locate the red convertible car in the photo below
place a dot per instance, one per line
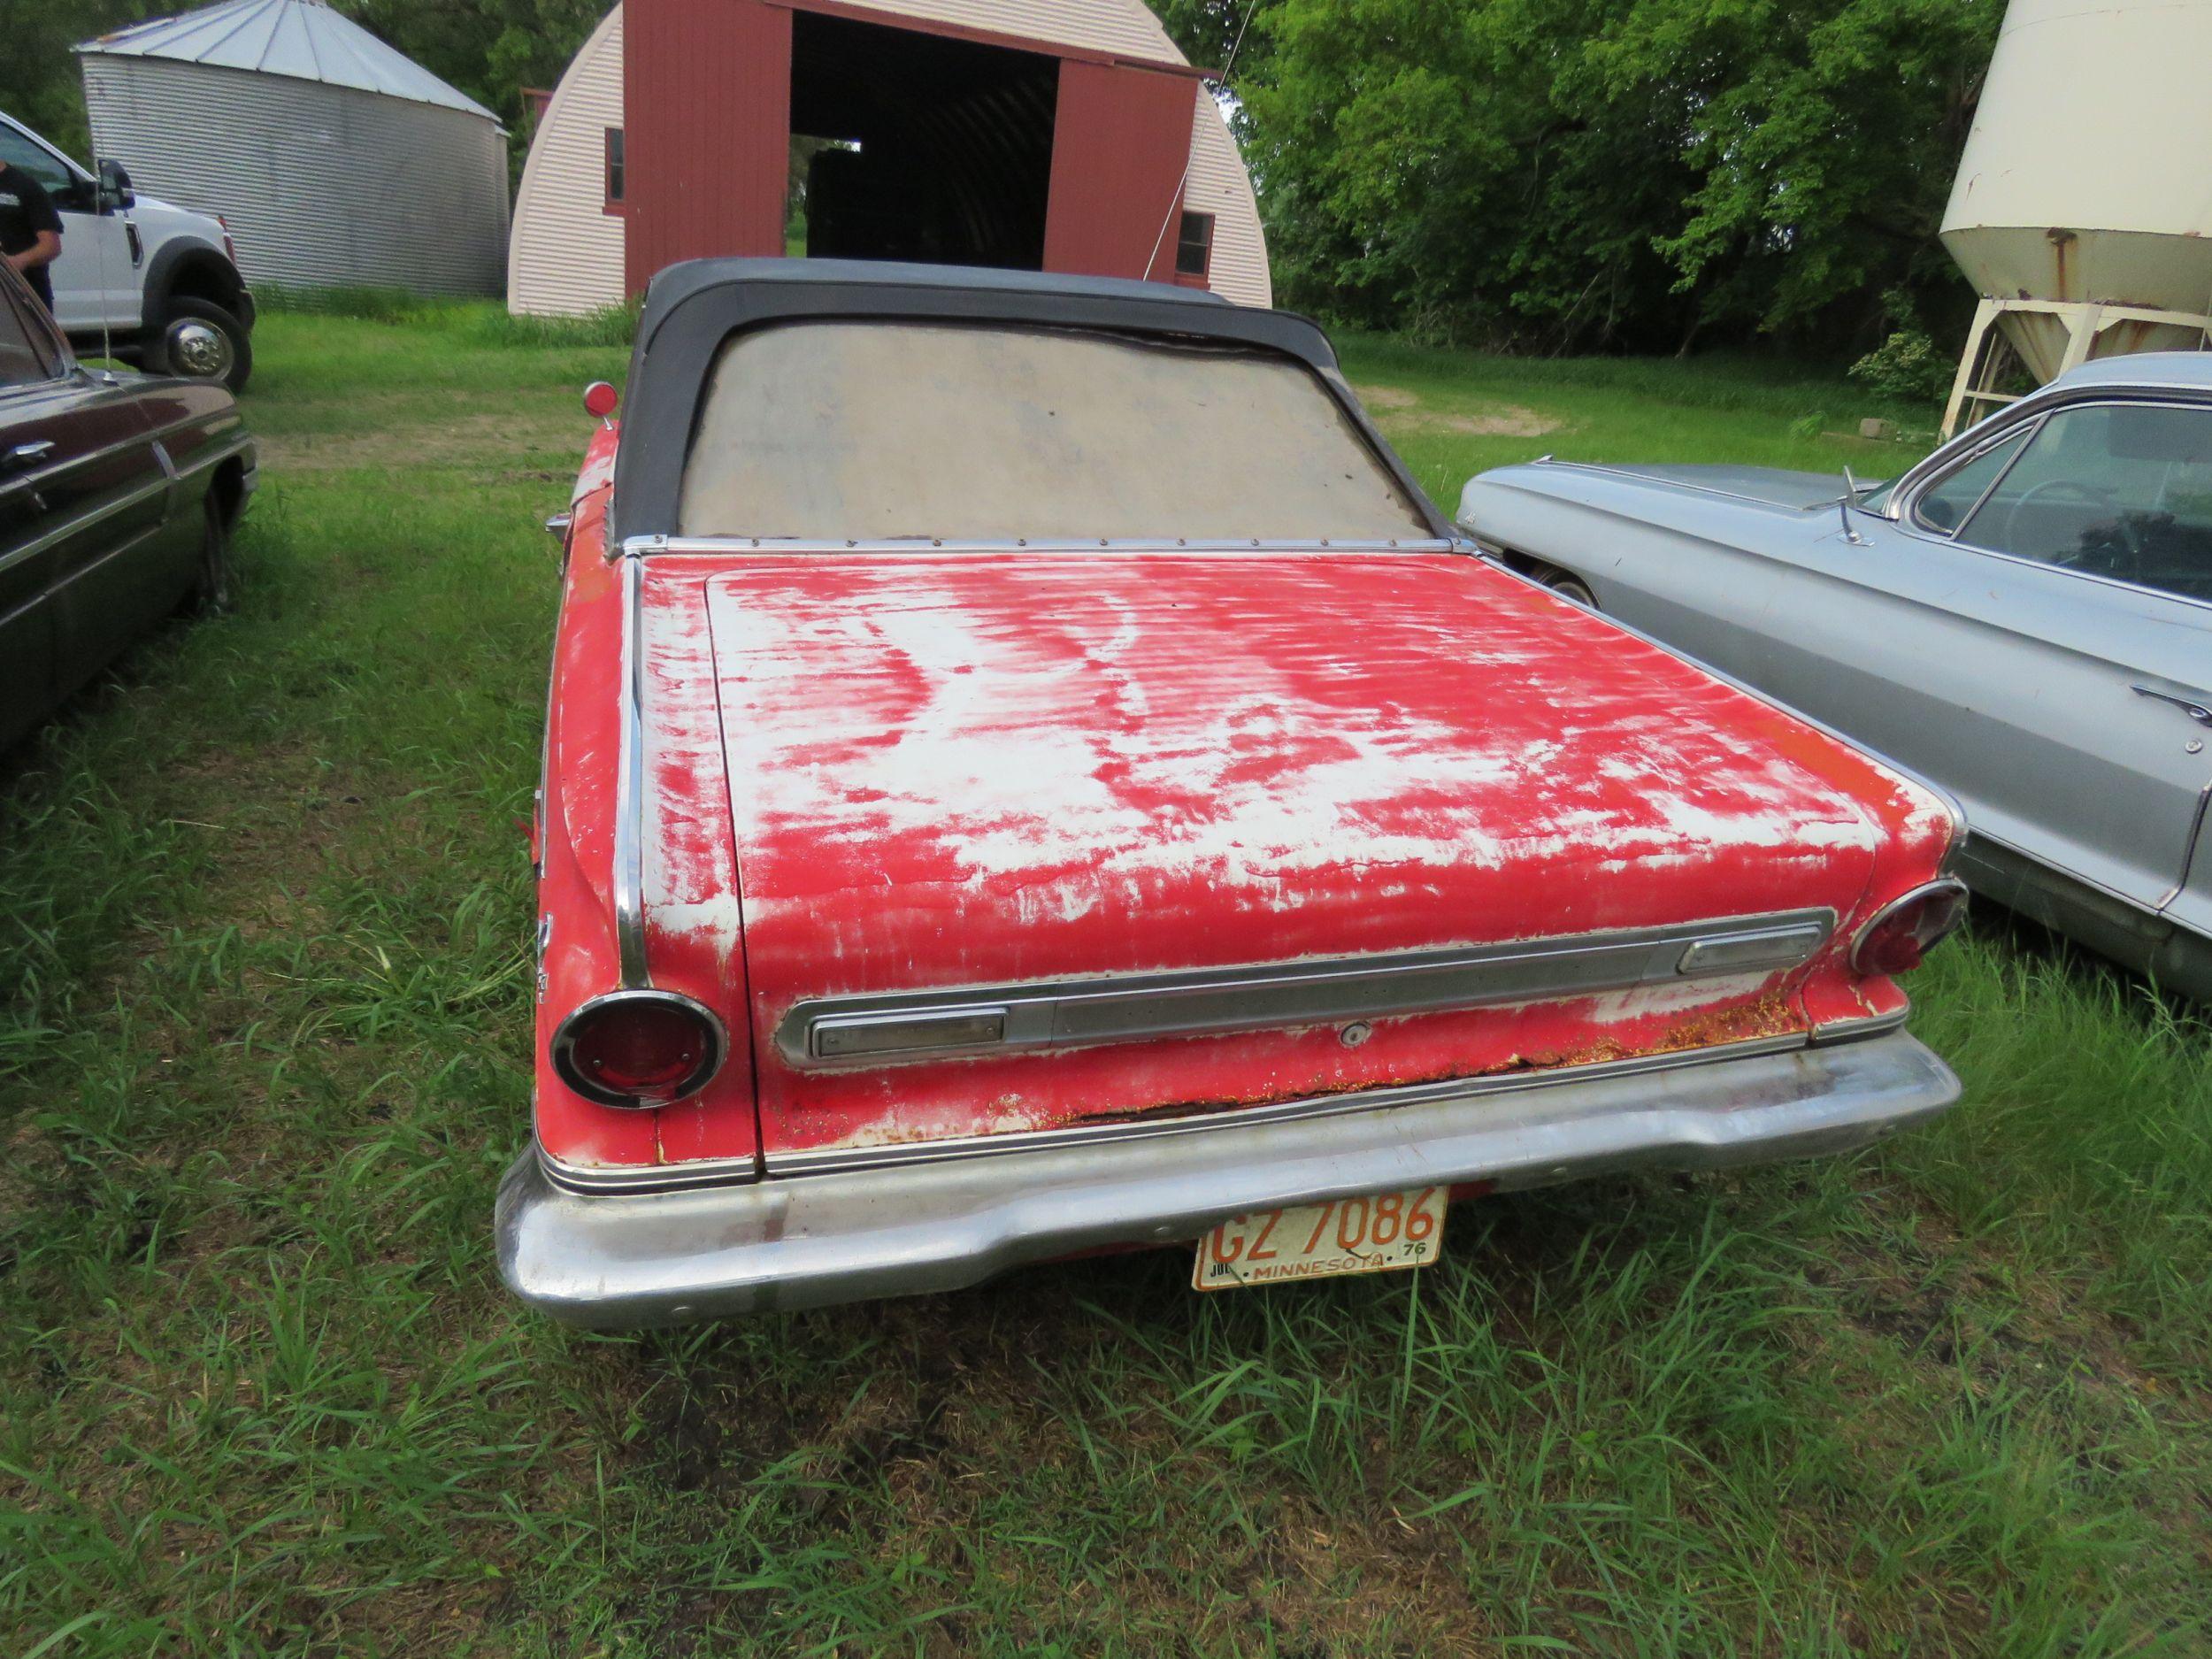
(1028, 773)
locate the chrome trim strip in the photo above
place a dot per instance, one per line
(629, 802)
(661, 1258)
(2199, 846)
(49, 540)
(881, 1030)
(1197, 1120)
(1838, 1031)
(609, 1181)
(200, 464)
(647, 545)
(136, 441)
(1201, 1120)
(1630, 472)
(2024, 431)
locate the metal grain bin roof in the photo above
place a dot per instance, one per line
(304, 39)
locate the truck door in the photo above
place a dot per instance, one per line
(95, 280)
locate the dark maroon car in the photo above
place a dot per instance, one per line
(117, 495)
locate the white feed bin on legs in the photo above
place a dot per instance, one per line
(2082, 213)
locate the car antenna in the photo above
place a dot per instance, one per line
(100, 254)
(1843, 507)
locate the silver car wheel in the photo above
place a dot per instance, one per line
(1574, 590)
(198, 348)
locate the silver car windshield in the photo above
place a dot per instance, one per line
(838, 430)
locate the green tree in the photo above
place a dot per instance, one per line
(1570, 174)
(488, 49)
(1547, 174)
(39, 83)
(1208, 31)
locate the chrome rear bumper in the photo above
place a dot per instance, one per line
(620, 1262)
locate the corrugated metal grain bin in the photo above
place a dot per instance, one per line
(335, 160)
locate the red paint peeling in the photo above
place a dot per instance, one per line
(912, 771)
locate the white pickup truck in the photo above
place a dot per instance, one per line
(138, 279)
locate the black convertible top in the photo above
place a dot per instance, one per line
(692, 308)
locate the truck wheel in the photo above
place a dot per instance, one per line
(199, 341)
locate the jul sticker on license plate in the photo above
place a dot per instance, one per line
(1351, 1235)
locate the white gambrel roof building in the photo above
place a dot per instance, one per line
(571, 248)
(334, 160)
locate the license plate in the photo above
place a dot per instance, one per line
(1351, 1235)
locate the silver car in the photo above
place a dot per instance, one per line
(2024, 618)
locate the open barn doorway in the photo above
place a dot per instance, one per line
(910, 145)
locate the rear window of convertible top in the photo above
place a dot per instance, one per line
(878, 431)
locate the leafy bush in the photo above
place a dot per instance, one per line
(1907, 367)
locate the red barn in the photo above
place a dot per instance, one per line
(1036, 134)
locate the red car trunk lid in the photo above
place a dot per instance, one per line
(955, 771)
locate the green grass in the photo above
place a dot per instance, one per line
(263, 917)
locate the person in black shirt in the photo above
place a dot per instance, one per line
(30, 229)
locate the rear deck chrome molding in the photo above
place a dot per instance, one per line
(663, 1258)
(873, 1031)
(651, 545)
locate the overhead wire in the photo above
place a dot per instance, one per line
(1183, 182)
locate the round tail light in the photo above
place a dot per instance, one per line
(638, 1049)
(1905, 930)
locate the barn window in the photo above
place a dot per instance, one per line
(1195, 247)
(614, 167)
